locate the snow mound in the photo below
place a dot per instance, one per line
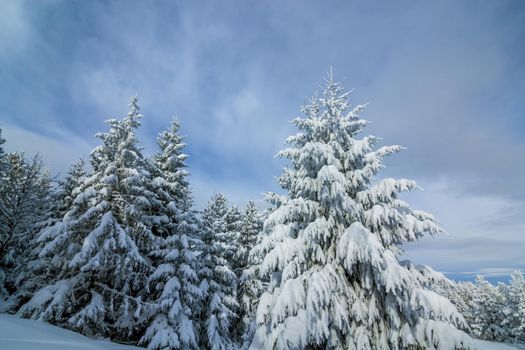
(22, 334)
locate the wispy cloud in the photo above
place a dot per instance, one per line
(490, 272)
(58, 152)
(236, 73)
(15, 28)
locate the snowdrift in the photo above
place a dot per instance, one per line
(21, 334)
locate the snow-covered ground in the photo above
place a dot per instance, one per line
(486, 345)
(21, 334)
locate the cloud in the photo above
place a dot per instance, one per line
(237, 192)
(470, 245)
(236, 73)
(490, 272)
(15, 29)
(58, 152)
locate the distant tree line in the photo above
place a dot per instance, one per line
(493, 312)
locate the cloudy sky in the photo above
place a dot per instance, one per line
(444, 79)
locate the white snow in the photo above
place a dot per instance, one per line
(487, 345)
(22, 334)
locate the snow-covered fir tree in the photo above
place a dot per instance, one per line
(98, 243)
(234, 222)
(172, 163)
(218, 281)
(492, 312)
(330, 257)
(70, 187)
(489, 311)
(59, 196)
(461, 294)
(19, 202)
(174, 283)
(514, 294)
(463, 299)
(35, 272)
(250, 286)
(250, 227)
(24, 194)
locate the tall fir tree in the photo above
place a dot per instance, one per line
(174, 282)
(172, 163)
(250, 286)
(99, 243)
(218, 281)
(330, 257)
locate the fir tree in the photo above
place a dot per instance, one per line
(492, 312)
(249, 227)
(461, 294)
(174, 283)
(70, 187)
(36, 272)
(172, 163)
(234, 221)
(218, 281)
(514, 294)
(330, 257)
(24, 192)
(250, 286)
(99, 241)
(489, 311)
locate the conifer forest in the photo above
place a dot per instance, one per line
(260, 218)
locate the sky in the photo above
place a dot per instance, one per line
(444, 79)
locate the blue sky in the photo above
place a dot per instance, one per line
(445, 79)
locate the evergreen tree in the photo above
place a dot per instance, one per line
(249, 227)
(24, 191)
(492, 312)
(489, 311)
(514, 294)
(519, 331)
(461, 294)
(36, 272)
(465, 303)
(250, 286)
(218, 281)
(99, 242)
(172, 163)
(330, 257)
(71, 186)
(234, 221)
(174, 283)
